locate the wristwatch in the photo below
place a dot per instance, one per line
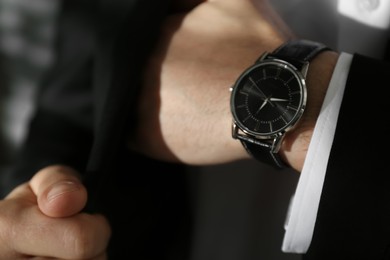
(269, 98)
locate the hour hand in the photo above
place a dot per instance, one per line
(262, 105)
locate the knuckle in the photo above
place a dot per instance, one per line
(81, 241)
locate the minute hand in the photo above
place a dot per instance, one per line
(278, 99)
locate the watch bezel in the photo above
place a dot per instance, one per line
(298, 75)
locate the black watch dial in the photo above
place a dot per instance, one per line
(268, 98)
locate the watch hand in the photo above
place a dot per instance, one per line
(266, 101)
(278, 99)
(262, 105)
(271, 100)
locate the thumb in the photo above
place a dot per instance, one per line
(59, 191)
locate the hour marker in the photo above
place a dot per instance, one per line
(270, 127)
(278, 73)
(243, 92)
(257, 127)
(256, 86)
(242, 106)
(289, 80)
(248, 87)
(251, 80)
(246, 118)
(296, 92)
(292, 108)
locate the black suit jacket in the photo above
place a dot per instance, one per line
(354, 212)
(86, 109)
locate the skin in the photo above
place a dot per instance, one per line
(184, 116)
(41, 219)
(184, 107)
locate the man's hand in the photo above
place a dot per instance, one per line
(184, 112)
(41, 220)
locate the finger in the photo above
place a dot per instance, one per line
(82, 236)
(100, 257)
(59, 191)
(23, 192)
(25, 230)
(26, 233)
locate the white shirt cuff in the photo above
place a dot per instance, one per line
(303, 209)
(373, 13)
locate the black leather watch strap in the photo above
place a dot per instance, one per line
(296, 52)
(262, 152)
(300, 50)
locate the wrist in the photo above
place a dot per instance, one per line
(296, 142)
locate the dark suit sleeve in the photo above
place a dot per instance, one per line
(85, 110)
(60, 129)
(354, 211)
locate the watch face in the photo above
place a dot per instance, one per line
(268, 98)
